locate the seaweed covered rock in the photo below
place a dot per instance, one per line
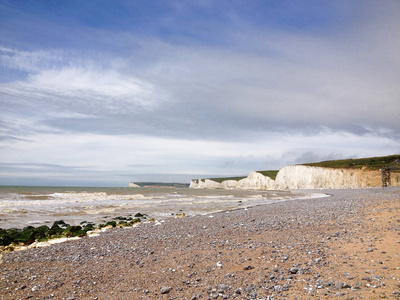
(59, 229)
(111, 223)
(26, 236)
(41, 232)
(17, 236)
(88, 227)
(72, 231)
(55, 230)
(5, 239)
(134, 221)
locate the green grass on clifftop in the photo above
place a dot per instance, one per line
(371, 162)
(219, 180)
(270, 173)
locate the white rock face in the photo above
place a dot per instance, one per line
(302, 177)
(229, 184)
(133, 185)
(206, 184)
(253, 181)
(305, 177)
(256, 181)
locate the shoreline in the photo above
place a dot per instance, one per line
(99, 228)
(44, 207)
(273, 250)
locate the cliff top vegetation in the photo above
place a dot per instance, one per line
(371, 162)
(270, 173)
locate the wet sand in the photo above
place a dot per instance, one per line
(346, 246)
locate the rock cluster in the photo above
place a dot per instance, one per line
(13, 238)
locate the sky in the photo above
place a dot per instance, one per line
(102, 93)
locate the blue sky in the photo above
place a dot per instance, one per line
(107, 92)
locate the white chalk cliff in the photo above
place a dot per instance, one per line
(301, 177)
(305, 177)
(254, 180)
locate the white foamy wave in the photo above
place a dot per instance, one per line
(216, 197)
(68, 198)
(314, 195)
(80, 196)
(102, 196)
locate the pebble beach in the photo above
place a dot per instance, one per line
(345, 246)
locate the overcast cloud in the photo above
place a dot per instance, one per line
(107, 92)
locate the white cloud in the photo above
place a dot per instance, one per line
(32, 61)
(114, 91)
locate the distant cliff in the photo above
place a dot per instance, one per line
(303, 177)
(255, 181)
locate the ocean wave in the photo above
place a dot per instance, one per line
(70, 198)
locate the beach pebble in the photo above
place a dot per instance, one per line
(165, 289)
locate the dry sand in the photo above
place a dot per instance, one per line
(346, 246)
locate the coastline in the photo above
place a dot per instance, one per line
(319, 247)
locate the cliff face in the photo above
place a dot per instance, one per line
(254, 181)
(206, 184)
(304, 177)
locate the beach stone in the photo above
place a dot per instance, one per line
(338, 285)
(223, 287)
(165, 289)
(274, 269)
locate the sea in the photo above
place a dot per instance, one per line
(22, 206)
